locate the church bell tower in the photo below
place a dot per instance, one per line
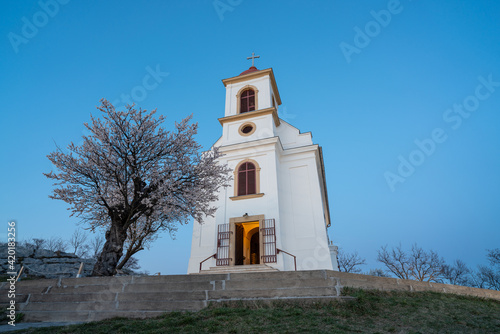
(275, 215)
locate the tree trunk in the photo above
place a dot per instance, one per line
(111, 252)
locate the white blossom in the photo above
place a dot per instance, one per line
(129, 170)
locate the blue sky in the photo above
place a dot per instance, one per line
(407, 64)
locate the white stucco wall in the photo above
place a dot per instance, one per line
(264, 91)
(303, 224)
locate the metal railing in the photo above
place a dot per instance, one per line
(211, 256)
(294, 257)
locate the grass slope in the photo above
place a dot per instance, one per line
(371, 312)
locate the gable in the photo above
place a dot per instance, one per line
(291, 137)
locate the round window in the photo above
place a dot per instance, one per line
(247, 129)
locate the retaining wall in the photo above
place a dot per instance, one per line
(396, 284)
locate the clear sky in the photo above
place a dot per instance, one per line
(392, 90)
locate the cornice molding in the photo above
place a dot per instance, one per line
(237, 198)
(251, 114)
(249, 144)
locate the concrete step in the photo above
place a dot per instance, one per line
(278, 275)
(41, 285)
(27, 289)
(62, 297)
(171, 287)
(271, 301)
(78, 289)
(162, 296)
(125, 296)
(20, 298)
(152, 286)
(239, 269)
(278, 284)
(179, 278)
(69, 306)
(124, 280)
(99, 306)
(70, 316)
(272, 293)
(37, 284)
(165, 306)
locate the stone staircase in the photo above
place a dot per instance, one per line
(254, 268)
(97, 298)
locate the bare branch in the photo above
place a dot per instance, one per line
(56, 244)
(417, 264)
(77, 242)
(349, 262)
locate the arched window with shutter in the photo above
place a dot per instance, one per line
(247, 101)
(247, 179)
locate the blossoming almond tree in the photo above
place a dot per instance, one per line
(130, 170)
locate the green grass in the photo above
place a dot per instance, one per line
(371, 312)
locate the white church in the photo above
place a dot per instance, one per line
(275, 215)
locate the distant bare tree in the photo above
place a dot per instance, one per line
(416, 265)
(396, 261)
(377, 272)
(427, 266)
(350, 262)
(494, 257)
(56, 244)
(53, 244)
(33, 244)
(458, 273)
(77, 243)
(489, 277)
(476, 281)
(95, 246)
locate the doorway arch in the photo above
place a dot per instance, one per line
(254, 246)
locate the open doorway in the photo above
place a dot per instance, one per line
(247, 243)
(254, 246)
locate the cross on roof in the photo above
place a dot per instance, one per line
(253, 58)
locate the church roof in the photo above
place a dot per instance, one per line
(250, 70)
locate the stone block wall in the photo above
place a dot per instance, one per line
(43, 263)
